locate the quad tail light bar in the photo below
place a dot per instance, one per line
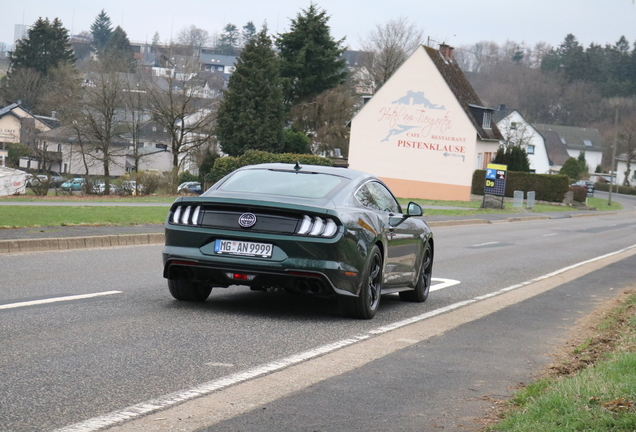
(313, 226)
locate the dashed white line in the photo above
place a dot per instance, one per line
(485, 244)
(548, 235)
(172, 399)
(57, 299)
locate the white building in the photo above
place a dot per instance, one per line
(517, 131)
(425, 131)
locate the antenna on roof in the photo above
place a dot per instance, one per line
(297, 167)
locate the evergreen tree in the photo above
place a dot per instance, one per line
(101, 29)
(46, 47)
(583, 163)
(229, 40)
(514, 156)
(311, 60)
(571, 168)
(119, 51)
(249, 30)
(251, 116)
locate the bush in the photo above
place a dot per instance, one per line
(148, 182)
(627, 190)
(548, 187)
(186, 176)
(580, 193)
(225, 165)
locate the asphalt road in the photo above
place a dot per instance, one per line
(69, 361)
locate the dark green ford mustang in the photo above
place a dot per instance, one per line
(320, 230)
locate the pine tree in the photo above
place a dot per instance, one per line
(251, 116)
(46, 47)
(311, 60)
(249, 30)
(119, 51)
(229, 41)
(101, 29)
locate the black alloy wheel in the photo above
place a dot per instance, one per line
(420, 293)
(366, 304)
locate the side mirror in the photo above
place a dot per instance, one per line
(414, 209)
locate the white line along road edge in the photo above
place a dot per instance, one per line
(166, 401)
(57, 299)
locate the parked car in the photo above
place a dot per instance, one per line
(56, 179)
(100, 188)
(190, 187)
(36, 180)
(318, 230)
(75, 184)
(129, 187)
(589, 186)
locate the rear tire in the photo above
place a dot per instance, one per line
(366, 304)
(189, 290)
(420, 293)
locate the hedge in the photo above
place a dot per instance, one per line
(548, 187)
(225, 165)
(627, 190)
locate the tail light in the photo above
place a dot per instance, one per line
(317, 227)
(185, 215)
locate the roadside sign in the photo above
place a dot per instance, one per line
(495, 179)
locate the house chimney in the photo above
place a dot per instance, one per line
(446, 51)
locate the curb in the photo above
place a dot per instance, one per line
(67, 243)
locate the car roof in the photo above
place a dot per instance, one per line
(338, 171)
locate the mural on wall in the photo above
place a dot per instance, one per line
(413, 121)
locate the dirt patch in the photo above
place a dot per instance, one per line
(586, 344)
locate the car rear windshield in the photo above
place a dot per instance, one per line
(285, 183)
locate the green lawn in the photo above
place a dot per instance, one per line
(37, 216)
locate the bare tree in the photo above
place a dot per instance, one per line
(388, 46)
(324, 120)
(176, 103)
(101, 117)
(194, 37)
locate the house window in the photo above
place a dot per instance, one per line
(530, 149)
(59, 148)
(588, 143)
(154, 128)
(563, 140)
(533, 171)
(486, 121)
(513, 126)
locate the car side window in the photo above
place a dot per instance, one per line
(384, 198)
(366, 198)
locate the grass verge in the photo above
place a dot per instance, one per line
(32, 216)
(593, 389)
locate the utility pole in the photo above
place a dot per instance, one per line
(613, 172)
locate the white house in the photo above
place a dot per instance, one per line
(572, 140)
(516, 130)
(425, 131)
(621, 168)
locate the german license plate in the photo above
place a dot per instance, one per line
(243, 248)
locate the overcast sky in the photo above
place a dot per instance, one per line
(457, 22)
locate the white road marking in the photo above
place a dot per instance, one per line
(485, 244)
(220, 364)
(445, 283)
(548, 235)
(57, 299)
(167, 401)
